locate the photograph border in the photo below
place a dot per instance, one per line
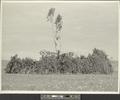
(55, 92)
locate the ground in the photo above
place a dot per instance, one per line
(79, 82)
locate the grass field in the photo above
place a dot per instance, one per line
(80, 82)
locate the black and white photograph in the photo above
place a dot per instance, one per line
(60, 47)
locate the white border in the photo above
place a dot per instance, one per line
(54, 92)
(54, 1)
(118, 47)
(0, 44)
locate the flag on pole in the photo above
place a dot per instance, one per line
(58, 23)
(50, 14)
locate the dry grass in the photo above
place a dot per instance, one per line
(79, 82)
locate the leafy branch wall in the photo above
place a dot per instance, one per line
(97, 62)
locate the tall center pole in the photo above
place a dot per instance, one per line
(56, 39)
(58, 24)
(56, 28)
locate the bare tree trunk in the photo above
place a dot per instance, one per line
(58, 54)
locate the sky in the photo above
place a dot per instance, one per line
(86, 25)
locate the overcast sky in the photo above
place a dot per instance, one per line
(86, 25)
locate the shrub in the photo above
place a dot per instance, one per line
(101, 63)
(14, 65)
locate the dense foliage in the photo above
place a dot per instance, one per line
(97, 62)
